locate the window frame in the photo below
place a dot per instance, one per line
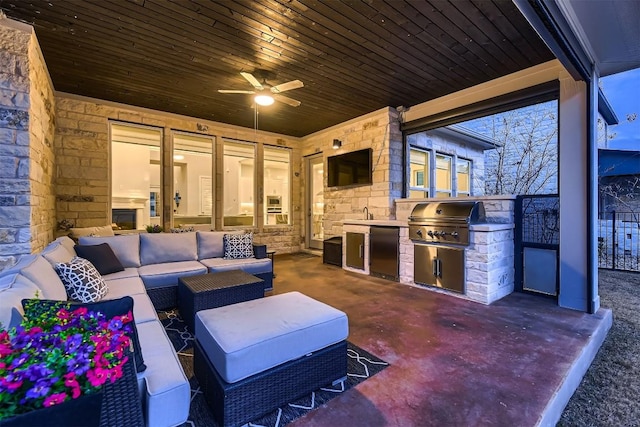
(225, 186)
(159, 207)
(285, 207)
(426, 172)
(212, 172)
(440, 190)
(470, 177)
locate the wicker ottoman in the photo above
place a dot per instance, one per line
(212, 290)
(253, 357)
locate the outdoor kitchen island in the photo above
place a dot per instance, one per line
(487, 264)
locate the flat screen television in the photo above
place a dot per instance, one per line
(348, 169)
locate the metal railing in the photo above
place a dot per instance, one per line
(619, 240)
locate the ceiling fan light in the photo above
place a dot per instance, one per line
(263, 100)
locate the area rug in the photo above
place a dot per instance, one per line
(361, 365)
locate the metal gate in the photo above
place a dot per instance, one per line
(537, 244)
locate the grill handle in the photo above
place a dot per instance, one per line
(361, 251)
(436, 268)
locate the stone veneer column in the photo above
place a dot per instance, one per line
(27, 206)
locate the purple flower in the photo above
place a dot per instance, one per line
(40, 389)
(19, 361)
(115, 324)
(73, 343)
(36, 372)
(79, 364)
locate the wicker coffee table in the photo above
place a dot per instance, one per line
(213, 290)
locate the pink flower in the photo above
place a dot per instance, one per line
(70, 380)
(5, 349)
(54, 399)
(97, 376)
(75, 392)
(11, 383)
(80, 311)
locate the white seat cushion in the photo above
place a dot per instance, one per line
(250, 337)
(166, 390)
(168, 273)
(123, 287)
(126, 273)
(248, 265)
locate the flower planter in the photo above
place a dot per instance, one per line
(83, 411)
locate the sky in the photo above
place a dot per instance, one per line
(623, 92)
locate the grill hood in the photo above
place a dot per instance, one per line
(469, 212)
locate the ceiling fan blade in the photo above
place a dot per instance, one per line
(235, 91)
(254, 82)
(287, 100)
(293, 84)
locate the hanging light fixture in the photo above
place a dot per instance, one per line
(263, 98)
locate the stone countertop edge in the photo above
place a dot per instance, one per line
(382, 222)
(491, 226)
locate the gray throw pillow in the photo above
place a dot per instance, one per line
(238, 246)
(81, 280)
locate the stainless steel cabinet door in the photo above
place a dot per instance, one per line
(384, 252)
(355, 250)
(451, 269)
(424, 265)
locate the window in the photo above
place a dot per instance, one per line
(136, 196)
(419, 173)
(463, 176)
(192, 183)
(277, 189)
(238, 180)
(443, 176)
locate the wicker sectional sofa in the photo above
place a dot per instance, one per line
(153, 263)
(159, 259)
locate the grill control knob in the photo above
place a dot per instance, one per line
(419, 233)
(431, 233)
(454, 234)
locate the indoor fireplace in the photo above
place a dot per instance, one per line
(124, 219)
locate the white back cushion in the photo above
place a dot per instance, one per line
(126, 247)
(55, 252)
(41, 272)
(13, 289)
(156, 248)
(210, 244)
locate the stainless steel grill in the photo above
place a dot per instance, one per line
(440, 231)
(444, 222)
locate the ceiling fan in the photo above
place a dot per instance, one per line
(265, 93)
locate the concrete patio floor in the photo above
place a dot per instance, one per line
(453, 362)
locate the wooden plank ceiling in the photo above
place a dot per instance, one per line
(353, 56)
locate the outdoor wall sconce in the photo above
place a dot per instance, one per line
(177, 199)
(337, 144)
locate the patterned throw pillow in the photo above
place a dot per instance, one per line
(182, 230)
(238, 246)
(81, 280)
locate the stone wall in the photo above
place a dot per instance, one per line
(490, 263)
(83, 174)
(26, 136)
(379, 131)
(41, 154)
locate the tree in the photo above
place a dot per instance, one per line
(525, 160)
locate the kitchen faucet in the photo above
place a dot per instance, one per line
(366, 213)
